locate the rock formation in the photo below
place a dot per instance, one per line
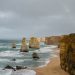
(13, 45)
(64, 43)
(42, 39)
(48, 41)
(34, 43)
(52, 40)
(67, 53)
(35, 55)
(20, 67)
(9, 67)
(24, 47)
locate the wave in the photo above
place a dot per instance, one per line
(24, 72)
(10, 53)
(46, 62)
(18, 44)
(5, 72)
(43, 50)
(5, 47)
(18, 72)
(52, 46)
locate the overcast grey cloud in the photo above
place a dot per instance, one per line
(39, 18)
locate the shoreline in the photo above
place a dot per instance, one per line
(56, 50)
(52, 68)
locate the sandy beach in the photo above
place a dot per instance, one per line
(52, 68)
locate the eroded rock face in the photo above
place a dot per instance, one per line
(67, 53)
(24, 47)
(48, 41)
(52, 40)
(34, 43)
(64, 44)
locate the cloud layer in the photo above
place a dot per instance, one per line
(39, 18)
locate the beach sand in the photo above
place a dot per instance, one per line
(52, 68)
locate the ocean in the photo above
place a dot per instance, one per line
(7, 54)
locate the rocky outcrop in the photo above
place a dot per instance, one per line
(9, 67)
(34, 43)
(48, 41)
(13, 59)
(67, 53)
(24, 47)
(13, 45)
(17, 67)
(20, 67)
(35, 55)
(64, 44)
(42, 39)
(52, 40)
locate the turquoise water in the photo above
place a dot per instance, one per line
(7, 54)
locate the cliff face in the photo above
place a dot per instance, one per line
(34, 43)
(66, 41)
(67, 53)
(52, 40)
(48, 40)
(64, 44)
(24, 46)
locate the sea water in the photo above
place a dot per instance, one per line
(7, 54)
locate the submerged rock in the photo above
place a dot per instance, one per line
(13, 59)
(34, 43)
(24, 47)
(20, 67)
(9, 67)
(35, 55)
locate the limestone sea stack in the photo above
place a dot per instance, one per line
(34, 43)
(14, 45)
(24, 47)
(42, 39)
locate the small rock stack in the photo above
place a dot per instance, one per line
(42, 39)
(35, 55)
(34, 43)
(67, 53)
(24, 47)
(13, 45)
(48, 41)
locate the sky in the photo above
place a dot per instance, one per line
(40, 18)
